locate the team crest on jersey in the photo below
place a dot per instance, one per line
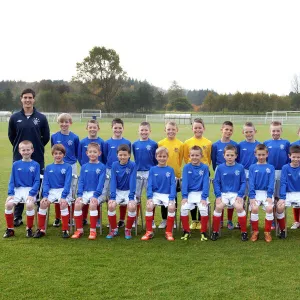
(36, 121)
(148, 147)
(203, 147)
(201, 172)
(70, 143)
(281, 146)
(237, 172)
(168, 174)
(63, 171)
(176, 150)
(268, 170)
(127, 170)
(98, 171)
(31, 169)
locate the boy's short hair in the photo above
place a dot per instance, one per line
(172, 123)
(145, 124)
(261, 147)
(249, 124)
(196, 148)
(275, 123)
(26, 143)
(227, 123)
(294, 149)
(28, 91)
(124, 147)
(92, 121)
(230, 147)
(64, 117)
(58, 147)
(117, 121)
(94, 145)
(161, 149)
(199, 120)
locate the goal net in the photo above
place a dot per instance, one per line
(284, 116)
(91, 113)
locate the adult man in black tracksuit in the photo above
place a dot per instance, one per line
(28, 124)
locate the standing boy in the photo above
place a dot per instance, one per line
(161, 190)
(198, 139)
(122, 191)
(195, 192)
(217, 157)
(23, 187)
(175, 156)
(229, 187)
(56, 188)
(261, 190)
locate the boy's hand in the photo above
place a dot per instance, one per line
(203, 202)
(269, 201)
(111, 201)
(94, 201)
(184, 201)
(30, 199)
(281, 203)
(79, 199)
(218, 200)
(239, 200)
(63, 201)
(9, 198)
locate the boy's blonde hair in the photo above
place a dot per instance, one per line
(94, 145)
(275, 123)
(161, 149)
(172, 123)
(26, 143)
(58, 147)
(64, 117)
(92, 121)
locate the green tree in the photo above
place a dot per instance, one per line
(175, 91)
(102, 73)
(145, 97)
(180, 104)
(209, 102)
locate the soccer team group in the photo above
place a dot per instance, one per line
(267, 173)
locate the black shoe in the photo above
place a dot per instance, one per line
(65, 234)
(84, 222)
(186, 235)
(282, 234)
(9, 233)
(204, 236)
(214, 236)
(244, 236)
(39, 234)
(56, 223)
(121, 224)
(29, 233)
(18, 222)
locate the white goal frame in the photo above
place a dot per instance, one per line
(91, 113)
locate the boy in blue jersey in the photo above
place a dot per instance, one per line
(261, 189)
(71, 143)
(161, 190)
(229, 187)
(296, 210)
(56, 188)
(23, 187)
(92, 128)
(289, 193)
(110, 156)
(195, 192)
(144, 157)
(90, 186)
(122, 191)
(217, 158)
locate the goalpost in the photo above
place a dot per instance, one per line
(91, 113)
(284, 116)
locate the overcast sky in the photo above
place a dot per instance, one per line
(223, 45)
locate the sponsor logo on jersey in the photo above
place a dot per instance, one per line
(224, 174)
(63, 171)
(237, 172)
(176, 150)
(70, 143)
(220, 150)
(137, 148)
(86, 171)
(36, 121)
(85, 146)
(270, 147)
(244, 149)
(168, 174)
(289, 174)
(112, 147)
(190, 172)
(19, 121)
(51, 171)
(58, 142)
(256, 171)
(155, 174)
(19, 169)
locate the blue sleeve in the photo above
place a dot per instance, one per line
(155, 162)
(238, 160)
(102, 149)
(45, 132)
(271, 184)
(132, 183)
(150, 186)
(80, 154)
(184, 183)
(46, 185)
(80, 183)
(217, 183)
(100, 185)
(172, 194)
(214, 156)
(67, 185)
(36, 184)
(12, 134)
(113, 182)
(11, 183)
(133, 150)
(283, 184)
(52, 142)
(205, 190)
(252, 193)
(104, 153)
(241, 192)
(76, 146)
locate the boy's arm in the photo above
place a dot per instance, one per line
(67, 185)
(36, 184)
(271, 184)
(214, 156)
(104, 153)
(11, 183)
(113, 182)
(132, 183)
(12, 133)
(238, 149)
(155, 162)
(173, 186)
(80, 153)
(150, 186)
(184, 183)
(283, 184)
(208, 152)
(180, 156)
(46, 184)
(205, 190)
(217, 183)
(45, 132)
(81, 183)
(186, 152)
(52, 140)
(101, 182)
(76, 142)
(252, 193)
(241, 192)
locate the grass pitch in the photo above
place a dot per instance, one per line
(53, 268)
